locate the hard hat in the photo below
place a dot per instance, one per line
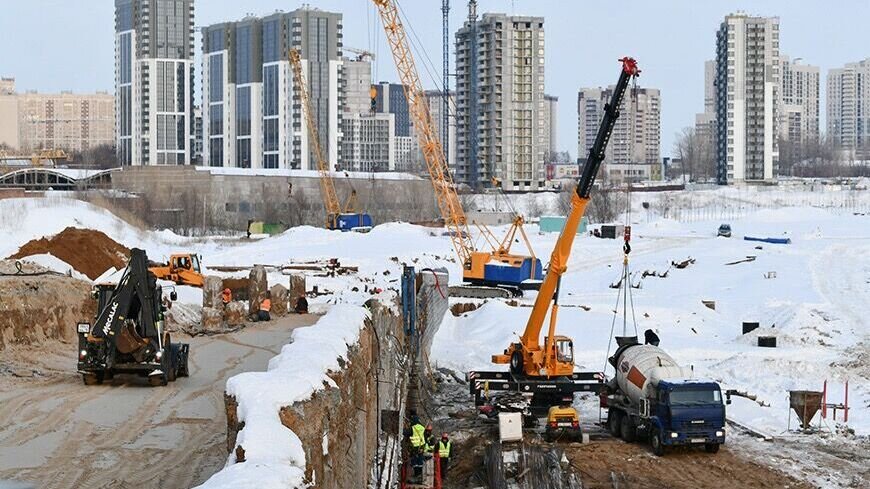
(227, 289)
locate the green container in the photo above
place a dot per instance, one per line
(554, 224)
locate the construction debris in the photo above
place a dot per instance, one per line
(749, 258)
(683, 264)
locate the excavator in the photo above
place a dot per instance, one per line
(342, 218)
(547, 370)
(128, 335)
(182, 268)
(487, 273)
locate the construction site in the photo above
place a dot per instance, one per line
(332, 329)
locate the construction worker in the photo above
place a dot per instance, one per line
(429, 439)
(227, 296)
(301, 305)
(445, 451)
(265, 307)
(418, 446)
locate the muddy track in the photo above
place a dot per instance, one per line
(57, 433)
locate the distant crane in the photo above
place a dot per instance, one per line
(361, 54)
(38, 158)
(445, 78)
(345, 218)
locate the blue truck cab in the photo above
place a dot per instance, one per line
(687, 412)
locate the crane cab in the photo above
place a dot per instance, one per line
(533, 361)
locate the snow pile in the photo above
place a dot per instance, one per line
(274, 456)
(53, 263)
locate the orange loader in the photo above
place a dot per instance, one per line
(183, 269)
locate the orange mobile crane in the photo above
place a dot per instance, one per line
(345, 218)
(548, 370)
(501, 271)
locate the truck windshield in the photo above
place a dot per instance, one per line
(695, 396)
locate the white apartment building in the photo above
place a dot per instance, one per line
(799, 97)
(848, 108)
(636, 137)
(252, 110)
(747, 98)
(154, 81)
(500, 79)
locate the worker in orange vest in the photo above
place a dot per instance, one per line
(265, 308)
(227, 296)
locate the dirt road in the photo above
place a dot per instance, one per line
(57, 433)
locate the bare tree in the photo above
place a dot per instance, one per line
(697, 153)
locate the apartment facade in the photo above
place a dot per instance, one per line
(252, 109)
(369, 142)
(435, 100)
(747, 99)
(500, 79)
(32, 121)
(799, 101)
(848, 108)
(551, 122)
(154, 81)
(636, 137)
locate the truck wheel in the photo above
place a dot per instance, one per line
(93, 378)
(626, 429)
(711, 447)
(517, 363)
(656, 441)
(614, 422)
(158, 380)
(170, 368)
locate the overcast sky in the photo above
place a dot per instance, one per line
(53, 45)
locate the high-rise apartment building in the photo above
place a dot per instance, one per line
(252, 110)
(551, 123)
(747, 98)
(390, 98)
(848, 108)
(154, 81)
(500, 58)
(705, 122)
(73, 122)
(636, 137)
(357, 85)
(799, 97)
(436, 109)
(369, 142)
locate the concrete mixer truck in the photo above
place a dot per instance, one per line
(652, 397)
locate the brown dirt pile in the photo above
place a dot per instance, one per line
(88, 251)
(38, 308)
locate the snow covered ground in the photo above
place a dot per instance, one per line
(816, 305)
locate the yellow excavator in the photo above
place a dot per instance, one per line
(547, 370)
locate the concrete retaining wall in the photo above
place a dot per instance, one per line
(221, 201)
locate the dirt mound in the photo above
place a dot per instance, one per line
(42, 307)
(88, 251)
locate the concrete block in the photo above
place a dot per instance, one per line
(280, 300)
(211, 291)
(256, 287)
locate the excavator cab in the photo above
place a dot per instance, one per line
(186, 262)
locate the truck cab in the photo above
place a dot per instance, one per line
(687, 413)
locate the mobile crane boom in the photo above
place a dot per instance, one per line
(556, 357)
(346, 218)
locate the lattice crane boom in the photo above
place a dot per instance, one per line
(327, 185)
(424, 126)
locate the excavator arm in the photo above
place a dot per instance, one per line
(133, 298)
(534, 359)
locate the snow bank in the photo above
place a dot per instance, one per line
(274, 456)
(55, 264)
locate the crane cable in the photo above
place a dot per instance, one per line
(624, 289)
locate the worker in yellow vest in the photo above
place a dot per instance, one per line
(418, 446)
(429, 439)
(445, 451)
